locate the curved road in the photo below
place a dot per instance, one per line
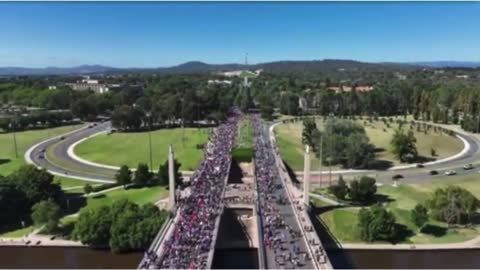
(471, 156)
(63, 164)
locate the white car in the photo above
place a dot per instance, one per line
(450, 172)
(468, 167)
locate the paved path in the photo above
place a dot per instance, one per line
(470, 244)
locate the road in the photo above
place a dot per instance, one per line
(286, 212)
(68, 166)
(471, 156)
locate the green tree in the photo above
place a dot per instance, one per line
(403, 146)
(419, 216)
(340, 190)
(376, 223)
(88, 188)
(93, 226)
(142, 175)
(309, 132)
(123, 176)
(163, 173)
(363, 191)
(46, 213)
(37, 184)
(453, 205)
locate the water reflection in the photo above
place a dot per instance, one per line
(406, 259)
(70, 258)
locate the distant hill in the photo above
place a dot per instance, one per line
(327, 65)
(442, 64)
(84, 69)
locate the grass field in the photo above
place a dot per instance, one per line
(242, 154)
(342, 222)
(25, 139)
(136, 195)
(132, 148)
(289, 141)
(244, 134)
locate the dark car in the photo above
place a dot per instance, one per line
(62, 138)
(397, 177)
(433, 172)
(420, 165)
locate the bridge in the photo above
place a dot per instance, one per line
(299, 246)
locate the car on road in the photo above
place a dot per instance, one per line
(433, 172)
(468, 166)
(397, 177)
(40, 156)
(62, 138)
(420, 165)
(450, 172)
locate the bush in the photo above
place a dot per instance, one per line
(453, 205)
(419, 216)
(376, 223)
(87, 189)
(340, 190)
(363, 191)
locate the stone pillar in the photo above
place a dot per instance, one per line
(306, 176)
(171, 180)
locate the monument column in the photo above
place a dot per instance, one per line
(171, 180)
(306, 176)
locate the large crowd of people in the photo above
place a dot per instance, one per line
(279, 237)
(189, 244)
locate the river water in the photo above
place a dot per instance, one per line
(74, 258)
(68, 257)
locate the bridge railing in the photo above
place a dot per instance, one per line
(311, 238)
(157, 241)
(256, 208)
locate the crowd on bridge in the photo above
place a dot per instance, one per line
(191, 240)
(279, 236)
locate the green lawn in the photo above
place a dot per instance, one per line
(244, 134)
(242, 154)
(136, 195)
(18, 233)
(289, 141)
(342, 222)
(132, 148)
(69, 182)
(25, 139)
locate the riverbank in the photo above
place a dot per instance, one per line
(39, 241)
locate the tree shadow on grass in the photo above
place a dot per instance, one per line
(402, 234)
(292, 174)
(73, 203)
(423, 159)
(434, 230)
(4, 160)
(380, 164)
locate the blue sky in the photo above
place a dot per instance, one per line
(152, 34)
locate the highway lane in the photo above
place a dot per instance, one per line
(70, 167)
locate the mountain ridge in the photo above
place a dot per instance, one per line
(202, 67)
